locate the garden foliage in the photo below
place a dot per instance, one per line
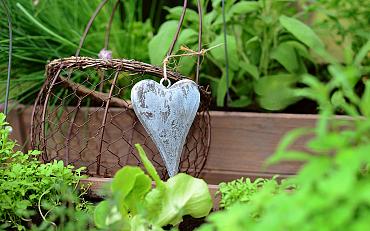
(269, 47)
(270, 43)
(242, 190)
(47, 30)
(332, 188)
(29, 188)
(135, 205)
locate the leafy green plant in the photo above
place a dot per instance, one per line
(340, 23)
(135, 205)
(45, 30)
(265, 60)
(332, 188)
(242, 190)
(269, 45)
(72, 212)
(29, 188)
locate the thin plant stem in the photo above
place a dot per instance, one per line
(6, 9)
(226, 52)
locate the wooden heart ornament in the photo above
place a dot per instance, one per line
(166, 114)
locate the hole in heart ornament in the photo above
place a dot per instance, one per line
(166, 114)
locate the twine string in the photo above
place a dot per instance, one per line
(188, 52)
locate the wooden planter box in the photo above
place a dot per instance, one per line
(240, 142)
(96, 185)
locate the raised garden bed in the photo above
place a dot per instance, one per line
(240, 142)
(97, 183)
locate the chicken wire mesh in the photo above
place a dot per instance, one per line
(83, 116)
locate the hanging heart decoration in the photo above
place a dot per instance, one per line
(166, 113)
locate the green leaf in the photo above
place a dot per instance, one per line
(139, 223)
(216, 3)
(218, 53)
(365, 100)
(347, 77)
(288, 140)
(302, 32)
(160, 43)
(243, 101)
(328, 142)
(105, 214)
(244, 7)
(222, 88)
(276, 91)
(125, 179)
(337, 99)
(2, 119)
(188, 37)
(53, 35)
(251, 69)
(209, 18)
(186, 65)
(148, 166)
(175, 13)
(184, 195)
(301, 49)
(362, 53)
(129, 186)
(287, 57)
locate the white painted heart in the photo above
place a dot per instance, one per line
(167, 115)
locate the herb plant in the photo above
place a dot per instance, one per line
(268, 50)
(242, 190)
(332, 188)
(73, 212)
(341, 23)
(135, 205)
(29, 188)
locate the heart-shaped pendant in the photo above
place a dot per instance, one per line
(166, 114)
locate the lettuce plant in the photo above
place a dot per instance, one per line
(136, 205)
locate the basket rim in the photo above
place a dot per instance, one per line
(128, 65)
(54, 67)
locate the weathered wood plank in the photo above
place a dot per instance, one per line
(240, 141)
(20, 120)
(96, 184)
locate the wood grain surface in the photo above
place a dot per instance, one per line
(96, 184)
(241, 143)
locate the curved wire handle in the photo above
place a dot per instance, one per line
(174, 40)
(200, 13)
(89, 24)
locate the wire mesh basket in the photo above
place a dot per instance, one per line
(83, 116)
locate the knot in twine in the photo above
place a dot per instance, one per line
(189, 52)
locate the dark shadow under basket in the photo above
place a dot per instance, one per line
(83, 116)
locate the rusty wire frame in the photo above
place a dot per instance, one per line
(101, 136)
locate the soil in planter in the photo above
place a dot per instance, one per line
(189, 223)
